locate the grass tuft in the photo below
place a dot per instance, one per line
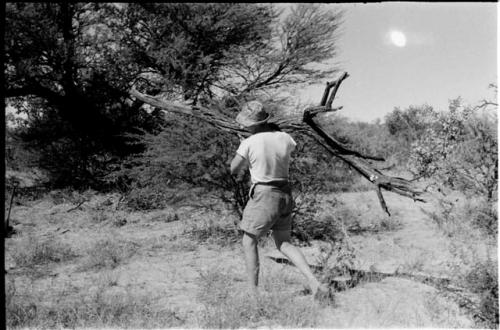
(32, 251)
(212, 233)
(108, 252)
(227, 306)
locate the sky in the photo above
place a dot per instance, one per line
(450, 51)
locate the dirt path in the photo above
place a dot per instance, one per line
(414, 248)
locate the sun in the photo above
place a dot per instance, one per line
(398, 38)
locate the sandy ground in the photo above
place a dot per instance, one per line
(167, 265)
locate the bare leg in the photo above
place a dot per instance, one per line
(251, 260)
(282, 240)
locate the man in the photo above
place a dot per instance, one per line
(267, 154)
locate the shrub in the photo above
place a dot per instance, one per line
(147, 198)
(374, 139)
(325, 228)
(307, 225)
(483, 280)
(484, 216)
(459, 151)
(326, 220)
(406, 126)
(457, 219)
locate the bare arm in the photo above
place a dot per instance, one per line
(238, 164)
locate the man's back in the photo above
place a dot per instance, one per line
(268, 155)
(270, 204)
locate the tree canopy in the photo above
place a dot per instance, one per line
(69, 67)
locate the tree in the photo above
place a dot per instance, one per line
(62, 71)
(184, 48)
(259, 56)
(69, 67)
(207, 51)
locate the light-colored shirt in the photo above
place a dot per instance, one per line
(268, 155)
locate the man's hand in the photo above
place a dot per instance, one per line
(239, 177)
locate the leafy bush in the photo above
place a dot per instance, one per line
(329, 220)
(372, 139)
(407, 126)
(148, 198)
(484, 216)
(483, 280)
(459, 151)
(309, 225)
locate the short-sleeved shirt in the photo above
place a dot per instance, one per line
(268, 155)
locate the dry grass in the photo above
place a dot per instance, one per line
(93, 306)
(31, 251)
(108, 252)
(441, 313)
(115, 298)
(227, 304)
(212, 233)
(166, 217)
(471, 225)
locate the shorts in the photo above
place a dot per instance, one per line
(269, 207)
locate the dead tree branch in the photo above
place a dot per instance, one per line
(307, 125)
(213, 117)
(354, 159)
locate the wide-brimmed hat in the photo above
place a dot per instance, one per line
(253, 113)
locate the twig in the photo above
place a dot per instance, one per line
(74, 208)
